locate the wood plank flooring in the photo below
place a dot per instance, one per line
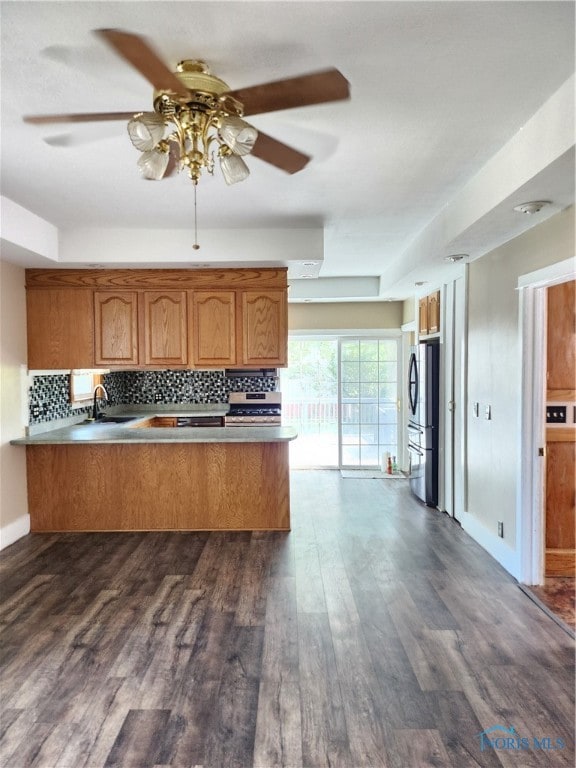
(376, 633)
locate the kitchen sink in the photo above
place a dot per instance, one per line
(110, 420)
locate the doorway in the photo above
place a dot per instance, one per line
(341, 395)
(530, 512)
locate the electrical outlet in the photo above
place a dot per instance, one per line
(500, 529)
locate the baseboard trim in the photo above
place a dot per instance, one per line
(500, 551)
(15, 530)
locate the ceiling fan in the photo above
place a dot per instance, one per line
(196, 114)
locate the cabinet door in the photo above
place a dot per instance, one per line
(434, 312)
(165, 331)
(265, 328)
(116, 325)
(60, 328)
(423, 316)
(214, 328)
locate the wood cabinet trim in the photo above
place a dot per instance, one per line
(157, 279)
(561, 434)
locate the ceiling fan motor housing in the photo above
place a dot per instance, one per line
(205, 90)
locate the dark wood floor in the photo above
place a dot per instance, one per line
(377, 633)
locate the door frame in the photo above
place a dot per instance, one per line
(530, 506)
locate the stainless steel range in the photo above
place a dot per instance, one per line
(254, 409)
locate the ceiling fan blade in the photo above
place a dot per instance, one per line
(79, 118)
(302, 91)
(281, 155)
(137, 51)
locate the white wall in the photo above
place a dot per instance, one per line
(494, 379)
(14, 518)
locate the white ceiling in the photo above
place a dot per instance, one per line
(438, 89)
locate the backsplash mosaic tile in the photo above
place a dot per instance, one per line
(49, 399)
(49, 395)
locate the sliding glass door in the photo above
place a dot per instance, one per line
(368, 401)
(310, 400)
(341, 395)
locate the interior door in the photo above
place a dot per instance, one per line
(561, 436)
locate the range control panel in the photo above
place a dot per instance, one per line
(560, 414)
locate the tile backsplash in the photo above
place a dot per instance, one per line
(49, 396)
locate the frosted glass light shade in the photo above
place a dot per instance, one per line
(234, 169)
(237, 134)
(153, 164)
(146, 130)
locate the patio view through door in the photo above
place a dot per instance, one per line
(341, 395)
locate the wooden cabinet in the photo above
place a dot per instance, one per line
(116, 325)
(264, 328)
(157, 318)
(60, 325)
(434, 312)
(213, 328)
(423, 315)
(165, 328)
(429, 314)
(140, 329)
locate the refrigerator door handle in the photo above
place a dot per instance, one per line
(413, 383)
(415, 428)
(415, 449)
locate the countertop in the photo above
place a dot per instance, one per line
(79, 433)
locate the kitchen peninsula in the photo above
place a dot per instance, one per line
(127, 477)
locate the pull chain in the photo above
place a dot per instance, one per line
(195, 246)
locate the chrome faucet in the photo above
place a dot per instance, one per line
(95, 413)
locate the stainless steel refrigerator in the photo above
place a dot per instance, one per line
(424, 420)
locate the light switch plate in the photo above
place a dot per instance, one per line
(476, 408)
(488, 412)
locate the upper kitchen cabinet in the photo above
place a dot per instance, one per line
(151, 318)
(429, 314)
(148, 328)
(116, 325)
(213, 328)
(60, 328)
(265, 328)
(165, 332)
